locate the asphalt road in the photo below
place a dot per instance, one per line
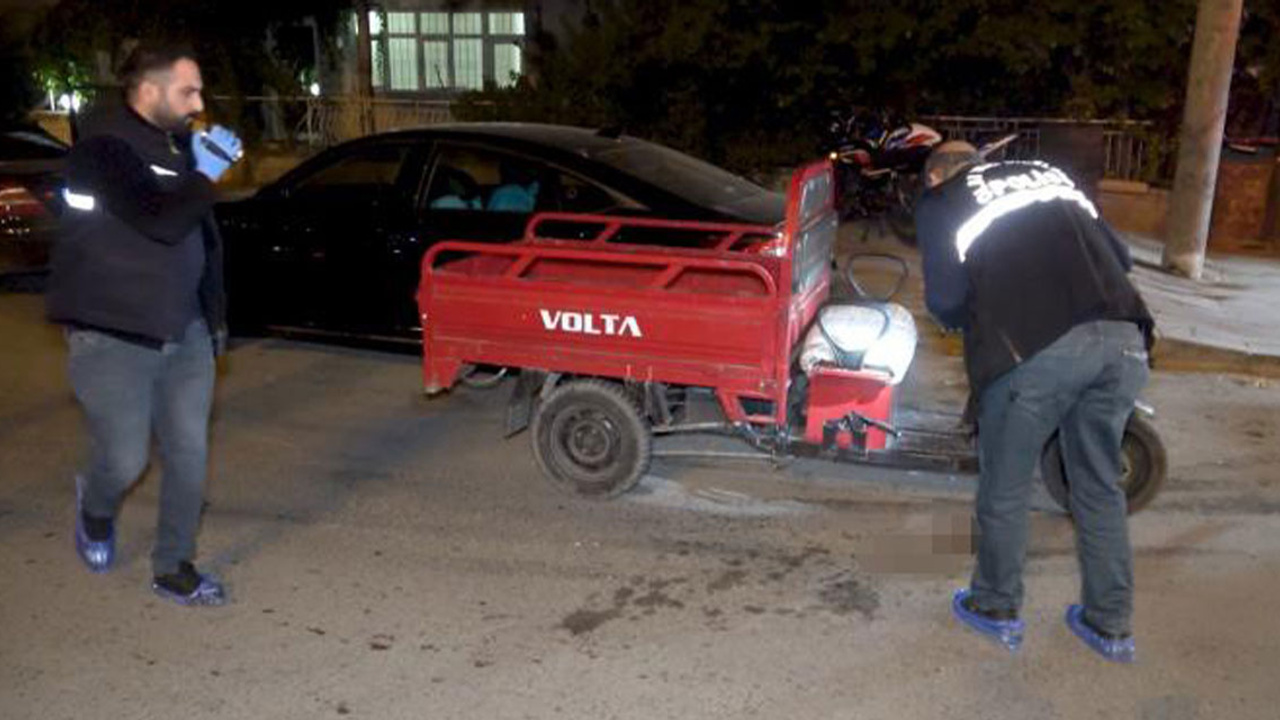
(392, 557)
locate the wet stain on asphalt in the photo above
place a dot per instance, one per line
(727, 581)
(657, 599)
(580, 622)
(839, 589)
(845, 594)
(799, 559)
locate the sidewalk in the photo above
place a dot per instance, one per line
(1226, 322)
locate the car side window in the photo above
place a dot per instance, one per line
(374, 169)
(468, 178)
(577, 195)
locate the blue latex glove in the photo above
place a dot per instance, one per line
(213, 163)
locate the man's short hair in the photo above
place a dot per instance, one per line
(150, 58)
(950, 158)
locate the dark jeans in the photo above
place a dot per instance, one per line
(129, 391)
(1084, 386)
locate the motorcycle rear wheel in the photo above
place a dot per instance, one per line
(1143, 464)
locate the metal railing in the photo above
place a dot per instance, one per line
(1127, 156)
(1132, 150)
(1129, 148)
(316, 122)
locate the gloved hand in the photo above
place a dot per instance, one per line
(212, 164)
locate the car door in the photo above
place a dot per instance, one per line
(478, 192)
(340, 225)
(463, 197)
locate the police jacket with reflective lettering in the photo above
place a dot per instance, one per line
(138, 254)
(1016, 255)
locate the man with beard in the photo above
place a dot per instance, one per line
(137, 283)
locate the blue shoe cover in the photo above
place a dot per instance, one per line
(1007, 633)
(1120, 650)
(97, 555)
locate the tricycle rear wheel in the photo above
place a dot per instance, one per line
(590, 439)
(1143, 465)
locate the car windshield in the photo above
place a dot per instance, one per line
(697, 181)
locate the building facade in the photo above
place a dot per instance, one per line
(438, 49)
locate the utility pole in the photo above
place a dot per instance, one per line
(1200, 143)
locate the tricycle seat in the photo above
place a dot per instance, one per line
(876, 337)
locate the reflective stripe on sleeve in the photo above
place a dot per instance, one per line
(79, 201)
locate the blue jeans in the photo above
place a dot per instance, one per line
(129, 391)
(1084, 386)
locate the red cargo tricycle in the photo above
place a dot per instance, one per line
(622, 328)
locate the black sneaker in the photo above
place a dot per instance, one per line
(188, 587)
(95, 537)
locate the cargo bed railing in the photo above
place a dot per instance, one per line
(611, 225)
(669, 264)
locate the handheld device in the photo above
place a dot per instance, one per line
(217, 149)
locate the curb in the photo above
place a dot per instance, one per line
(1182, 356)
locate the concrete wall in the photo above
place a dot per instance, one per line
(1246, 208)
(1134, 207)
(1242, 201)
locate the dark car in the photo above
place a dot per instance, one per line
(334, 246)
(31, 166)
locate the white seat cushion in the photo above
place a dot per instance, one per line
(882, 335)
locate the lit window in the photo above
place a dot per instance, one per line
(400, 23)
(403, 57)
(435, 53)
(506, 23)
(379, 64)
(468, 23)
(415, 51)
(468, 71)
(434, 23)
(506, 64)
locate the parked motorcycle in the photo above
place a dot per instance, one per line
(878, 161)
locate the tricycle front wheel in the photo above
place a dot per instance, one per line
(1143, 465)
(590, 438)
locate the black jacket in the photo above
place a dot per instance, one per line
(133, 199)
(1016, 255)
